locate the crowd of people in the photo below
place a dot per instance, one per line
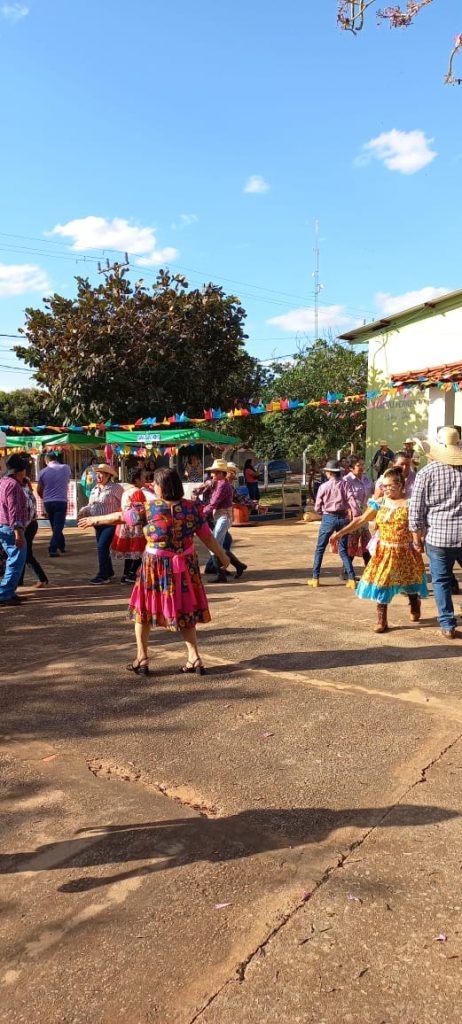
(151, 526)
(414, 512)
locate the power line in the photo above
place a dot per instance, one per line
(75, 257)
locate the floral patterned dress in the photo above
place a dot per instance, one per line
(395, 567)
(169, 591)
(129, 541)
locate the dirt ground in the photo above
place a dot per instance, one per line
(276, 841)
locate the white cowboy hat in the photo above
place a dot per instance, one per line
(232, 466)
(448, 448)
(220, 465)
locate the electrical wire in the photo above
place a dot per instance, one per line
(65, 254)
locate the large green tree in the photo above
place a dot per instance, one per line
(24, 406)
(120, 351)
(327, 366)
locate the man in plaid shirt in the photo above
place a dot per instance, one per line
(435, 515)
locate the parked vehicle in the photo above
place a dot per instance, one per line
(278, 470)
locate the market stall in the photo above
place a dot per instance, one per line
(174, 445)
(75, 448)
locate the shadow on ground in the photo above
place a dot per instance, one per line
(186, 840)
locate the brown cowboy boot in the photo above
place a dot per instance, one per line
(414, 605)
(382, 619)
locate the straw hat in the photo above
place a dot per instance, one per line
(104, 468)
(447, 449)
(232, 466)
(220, 465)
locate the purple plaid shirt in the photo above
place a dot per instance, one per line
(13, 505)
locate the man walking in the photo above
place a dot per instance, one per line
(52, 487)
(435, 514)
(383, 458)
(13, 516)
(337, 505)
(219, 507)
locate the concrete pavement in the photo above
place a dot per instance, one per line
(224, 848)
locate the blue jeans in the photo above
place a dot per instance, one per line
(220, 530)
(330, 523)
(15, 562)
(441, 567)
(56, 512)
(226, 547)
(104, 535)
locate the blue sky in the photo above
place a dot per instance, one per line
(140, 126)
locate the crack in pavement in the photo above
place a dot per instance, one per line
(184, 795)
(325, 877)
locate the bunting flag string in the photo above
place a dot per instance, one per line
(278, 405)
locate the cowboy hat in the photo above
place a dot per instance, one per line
(333, 466)
(104, 468)
(220, 465)
(232, 466)
(447, 449)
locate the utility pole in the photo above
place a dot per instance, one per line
(317, 286)
(115, 268)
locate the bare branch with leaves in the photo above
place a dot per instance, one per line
(351, 15)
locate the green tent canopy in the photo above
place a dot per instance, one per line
(177, 437)
(73, 438)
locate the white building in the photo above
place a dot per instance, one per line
(421, 343)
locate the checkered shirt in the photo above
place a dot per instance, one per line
(436, 505)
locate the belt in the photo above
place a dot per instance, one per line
(179, 564)
(337, 512)
(391, 544)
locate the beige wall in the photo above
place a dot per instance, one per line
(427, 343)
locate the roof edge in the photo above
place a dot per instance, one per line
(447, 302)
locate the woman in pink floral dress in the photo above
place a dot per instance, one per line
(169, 590)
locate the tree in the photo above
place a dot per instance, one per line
(122, 352)
(326, 366)
(25, 406)
(351, 14)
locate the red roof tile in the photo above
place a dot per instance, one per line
(447, 371)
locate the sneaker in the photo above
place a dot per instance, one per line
(313, 583)
(14, 600)
(98, 580)
(350, 584)
(53, 554)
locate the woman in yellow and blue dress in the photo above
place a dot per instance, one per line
(395, 567)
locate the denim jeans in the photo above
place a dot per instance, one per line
(15, 562)
(220, 530)
(56, 512)
(104, 535)
(441, 566)
(330, 523)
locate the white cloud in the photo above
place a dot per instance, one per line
(406, 152)
(99, 233)
(22, 278)
(14, 12)
(186, 220)
(388, 304)
(329, 318)
(256, 184)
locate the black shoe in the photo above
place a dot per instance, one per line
(98, 580)
(53, 554)
(14, 600)
(221, 577)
